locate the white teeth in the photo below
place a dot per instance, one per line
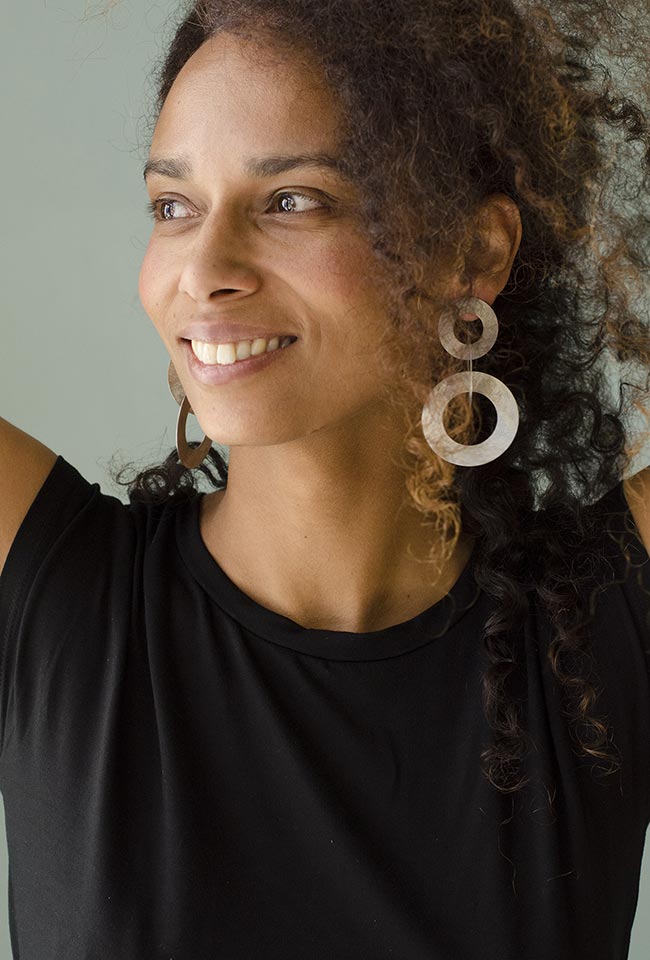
(227, 353)
(208, 352)
(259, 346)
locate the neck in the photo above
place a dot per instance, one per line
(321, 531)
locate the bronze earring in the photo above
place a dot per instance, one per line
(190, 457)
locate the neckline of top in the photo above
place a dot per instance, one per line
(432, 623)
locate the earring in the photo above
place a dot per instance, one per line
(470, 455)
(190, 457)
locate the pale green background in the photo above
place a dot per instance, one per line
(82, 367)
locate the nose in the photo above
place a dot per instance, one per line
(215, 265)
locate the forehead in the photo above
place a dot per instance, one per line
(238, 96)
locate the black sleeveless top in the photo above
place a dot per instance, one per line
(188, 775)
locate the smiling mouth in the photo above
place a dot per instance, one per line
(212, 353)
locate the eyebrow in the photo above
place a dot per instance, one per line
(179, 168)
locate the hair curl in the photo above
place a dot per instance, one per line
(471, 100)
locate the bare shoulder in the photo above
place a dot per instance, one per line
(24, 466)
(637, 493)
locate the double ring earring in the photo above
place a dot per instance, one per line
(190, 457)
(469, 381)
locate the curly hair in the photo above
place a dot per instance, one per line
(444, 105)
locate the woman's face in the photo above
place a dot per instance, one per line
(240, 247)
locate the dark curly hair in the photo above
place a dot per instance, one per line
(445, 104)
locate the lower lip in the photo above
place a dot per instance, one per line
(225, 372)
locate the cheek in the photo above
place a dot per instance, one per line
(152, 281)
(349, 291)
(145, 282)
(342, 272)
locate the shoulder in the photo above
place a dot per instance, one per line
(636, 490)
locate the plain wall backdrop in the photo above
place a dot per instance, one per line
(81, 365)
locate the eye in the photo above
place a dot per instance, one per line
(155, 207)
(290, 193)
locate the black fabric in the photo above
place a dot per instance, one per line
(189, 776)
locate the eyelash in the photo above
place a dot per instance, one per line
(154, 207)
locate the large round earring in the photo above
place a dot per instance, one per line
(470, 455)
(190, 457)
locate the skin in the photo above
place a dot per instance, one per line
(314, 523)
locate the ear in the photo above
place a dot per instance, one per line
(498, 237)
(500, 232)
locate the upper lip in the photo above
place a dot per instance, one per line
(221, 332)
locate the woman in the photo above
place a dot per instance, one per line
(384, 690)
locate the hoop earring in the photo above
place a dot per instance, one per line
(190, 457)
(470, 455)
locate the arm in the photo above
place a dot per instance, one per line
(24, 465)
(637, 494)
